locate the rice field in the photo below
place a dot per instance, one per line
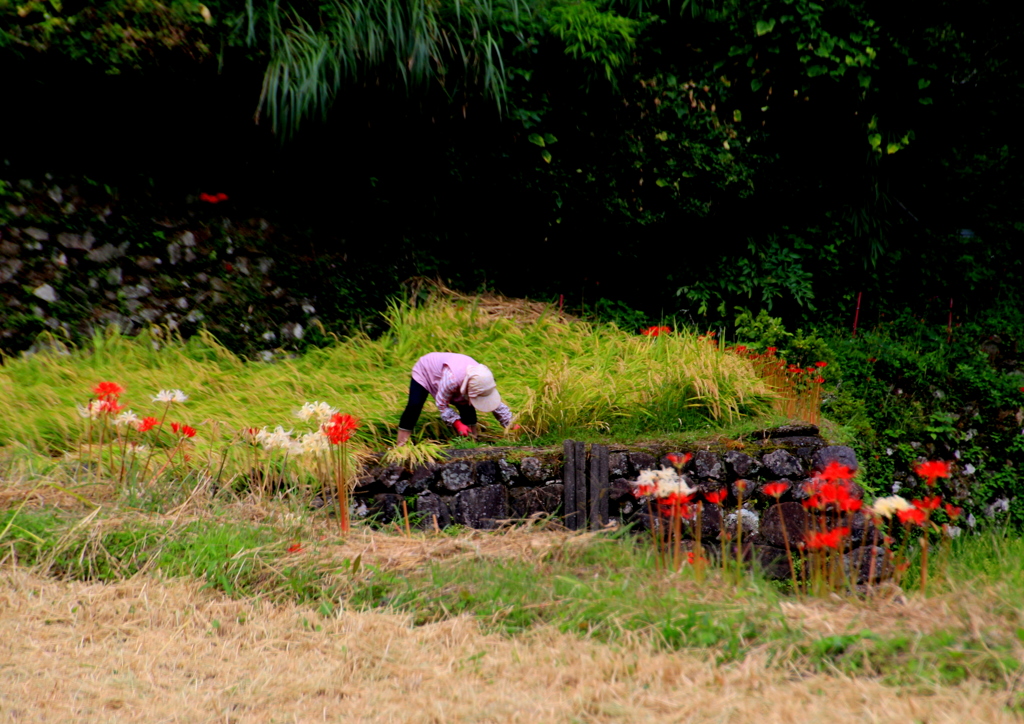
(559, 376)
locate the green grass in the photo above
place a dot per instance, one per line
(561, 380)
(606, 588)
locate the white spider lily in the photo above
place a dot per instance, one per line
(886, 507)
(170, 396)
(279, 439)
(127, 418)
(314, 442)
(319, 411)
(663, 483)
(91, 411)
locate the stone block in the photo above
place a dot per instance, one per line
(741, 465)
(431, 507)
(456, 476)
(482, 507)
(525, 502)
(782, 464)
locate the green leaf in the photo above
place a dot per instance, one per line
(875, 139)
(923, 83)
(546, 155)
(737, 116)
(864, 79)
(663, 136)
(925, 101)
(662, 183)
(548, 138)
(816, 70)
(755, 84)
(765, 26)
(892, 148)
(536, 139)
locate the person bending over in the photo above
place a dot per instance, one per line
(452, 379)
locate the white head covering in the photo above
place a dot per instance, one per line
(481, 389)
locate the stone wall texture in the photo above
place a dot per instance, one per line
(489, 488)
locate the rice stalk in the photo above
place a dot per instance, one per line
(559, 376)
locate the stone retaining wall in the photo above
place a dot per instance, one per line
(487, 488)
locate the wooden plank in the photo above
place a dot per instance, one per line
(605, 489)
(569, 469)
(581, 486)
(597, 487)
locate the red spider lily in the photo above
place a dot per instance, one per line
(295, 548)
(716, 497)
(775, 489)
(928, 503)
(107, 390)
(821, 364)
(839, 494)
(182, 429)
(831, 539)
(952, 511)
(872, 359)
(741, 348)
(741, 485)
(814, 501)
(771, 351)
(655, 331)
(850, 505)
(213, 198)
(643, 489)
(931, 470)
(830, 492)
(913, 515)
(834, 472)
(148, 423)
(675, 505)
(340, 428)
(110, 406)
(819, 380)
(678, 460)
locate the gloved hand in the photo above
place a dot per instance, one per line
(462, 429)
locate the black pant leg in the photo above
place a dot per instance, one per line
(417, 396)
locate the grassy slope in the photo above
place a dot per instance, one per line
(560, 378)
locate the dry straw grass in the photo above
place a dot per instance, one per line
(148, 651)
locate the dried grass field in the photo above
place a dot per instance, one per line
(150, 647)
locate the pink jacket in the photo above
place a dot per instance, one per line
(429, 371)
(428, 368)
